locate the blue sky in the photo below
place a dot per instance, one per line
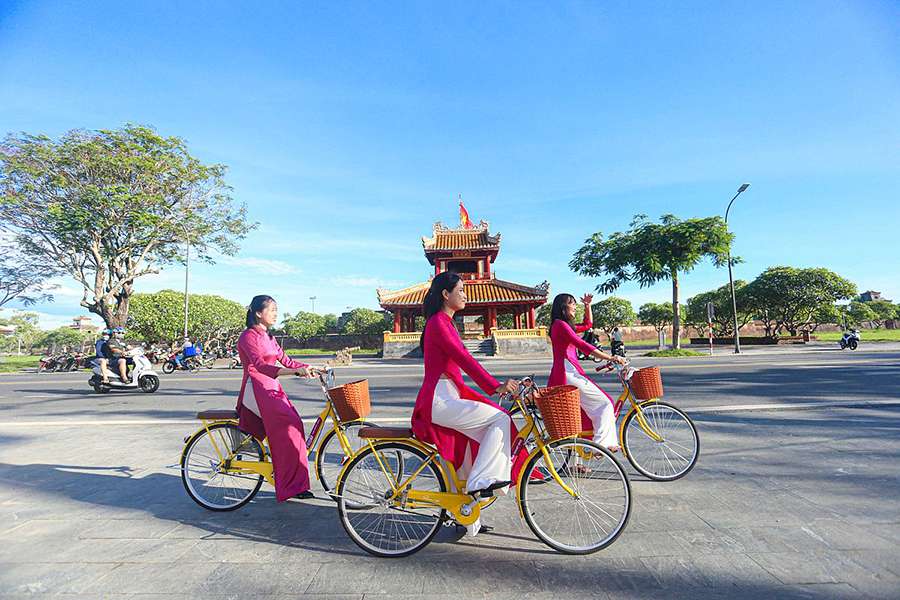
(349, 128)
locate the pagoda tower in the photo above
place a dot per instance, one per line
(469, 250)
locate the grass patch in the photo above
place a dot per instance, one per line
(866, 335)
(674, 352)
(11, 364)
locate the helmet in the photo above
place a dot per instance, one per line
(119, 330)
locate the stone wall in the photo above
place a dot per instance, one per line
(517, 346)
(401, 350)
(332, 342)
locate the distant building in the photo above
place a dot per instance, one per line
(83, 323)
(7, 329)
(870, 296)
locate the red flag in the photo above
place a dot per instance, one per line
(464, 219)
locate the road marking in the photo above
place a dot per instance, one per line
(386, 420)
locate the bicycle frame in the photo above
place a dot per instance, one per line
(265, 467)
(465, 508)
(636, 406)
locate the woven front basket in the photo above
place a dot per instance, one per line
(560, 407)
(646, 383)
(351, 400)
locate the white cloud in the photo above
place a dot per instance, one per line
(266, 266)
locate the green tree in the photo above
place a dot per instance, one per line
(825, 315)
(304, 325)
(110, 206)
(723, 314)
(787, 298)
(20, 277)
(64, 336)
(364, 321)
(652, 252)
(884, 311)
(658, 315)
(859, 313)
(331, 325)
(612, 312)
(160, 317)
(27, 330)
(543, 313)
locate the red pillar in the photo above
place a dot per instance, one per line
(531, 317)
(396, 321)
(517, 317)
(493, 314)
(486, 322)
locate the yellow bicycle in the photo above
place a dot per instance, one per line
(396, 491)
(222, 467)
(658, 439)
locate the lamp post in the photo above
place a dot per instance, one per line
(313, 299)
(737, 335)
(187, 264)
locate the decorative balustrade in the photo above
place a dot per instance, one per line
(519, 333)
(412, 336)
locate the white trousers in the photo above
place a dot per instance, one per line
(597, 405)
(488, 426)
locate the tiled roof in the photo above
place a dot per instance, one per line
(478, 292)
(444, 238)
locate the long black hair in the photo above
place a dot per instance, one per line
(558, 311)
(434, 298)
(257, 304)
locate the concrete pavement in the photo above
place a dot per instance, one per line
(785, 502)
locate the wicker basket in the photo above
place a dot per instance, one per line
(560, 407)
(351, 400)
(646, 383)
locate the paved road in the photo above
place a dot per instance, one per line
(796, 495)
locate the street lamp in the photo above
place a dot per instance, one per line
(187, 263)
(313, 298)
(737, 335)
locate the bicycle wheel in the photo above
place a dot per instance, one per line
(591, 519)
(330, 456)
(383, 527)
(208, 480)
(664, 460)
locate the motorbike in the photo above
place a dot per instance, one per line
(850, 339)
(235, 360)
(189, 363)
(617, 348)
(48, 364)
(143, 377)
(591, 338)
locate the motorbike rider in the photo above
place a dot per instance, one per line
(187, 351)
(115, 353)
(616, 341)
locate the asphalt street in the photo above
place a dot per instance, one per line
(795, 495)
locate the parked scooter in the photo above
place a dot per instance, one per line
(235, 360)
(48, 364)
(143, 377)
(850, 339)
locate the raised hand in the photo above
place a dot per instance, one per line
(587, 299)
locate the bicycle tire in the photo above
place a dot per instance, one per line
(568, 507)
(322, 453)
(234, 433)
(645, 466)
(348, 480)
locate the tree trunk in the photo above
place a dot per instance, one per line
(676, 313)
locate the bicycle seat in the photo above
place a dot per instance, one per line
(385, 433)
(217, 415)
